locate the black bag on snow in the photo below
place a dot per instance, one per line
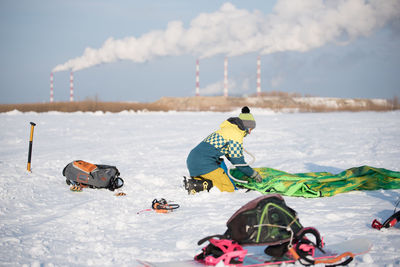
(92, 175)
(263, 221)
(266, 220)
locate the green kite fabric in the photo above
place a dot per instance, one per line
(320, 184)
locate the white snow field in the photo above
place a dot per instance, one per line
(43, 223)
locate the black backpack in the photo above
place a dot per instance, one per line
(267, 220)
(263, 220)
(93, 175)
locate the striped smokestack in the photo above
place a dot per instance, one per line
(226, 77)
(51, 87)
(197, 78)
(71, 87)
(258, 76)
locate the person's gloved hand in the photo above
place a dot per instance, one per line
(256, 176)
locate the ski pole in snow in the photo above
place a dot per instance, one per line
(30, 147)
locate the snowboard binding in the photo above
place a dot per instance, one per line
(196, 185)
(228, 251)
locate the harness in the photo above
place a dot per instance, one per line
(162, 206)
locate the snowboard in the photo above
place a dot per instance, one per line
(256, 257)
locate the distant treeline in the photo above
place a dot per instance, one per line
(277, 101)
(84, 106)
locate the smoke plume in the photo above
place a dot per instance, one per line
(292, 26)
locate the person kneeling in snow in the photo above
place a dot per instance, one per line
(204, 161)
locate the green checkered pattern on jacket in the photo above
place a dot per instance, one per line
(227, 147)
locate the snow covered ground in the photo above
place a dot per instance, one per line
(43, 223)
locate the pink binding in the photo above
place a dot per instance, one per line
(231, 251)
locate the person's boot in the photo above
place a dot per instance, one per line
(197, 184)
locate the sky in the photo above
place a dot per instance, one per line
(128, 50)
